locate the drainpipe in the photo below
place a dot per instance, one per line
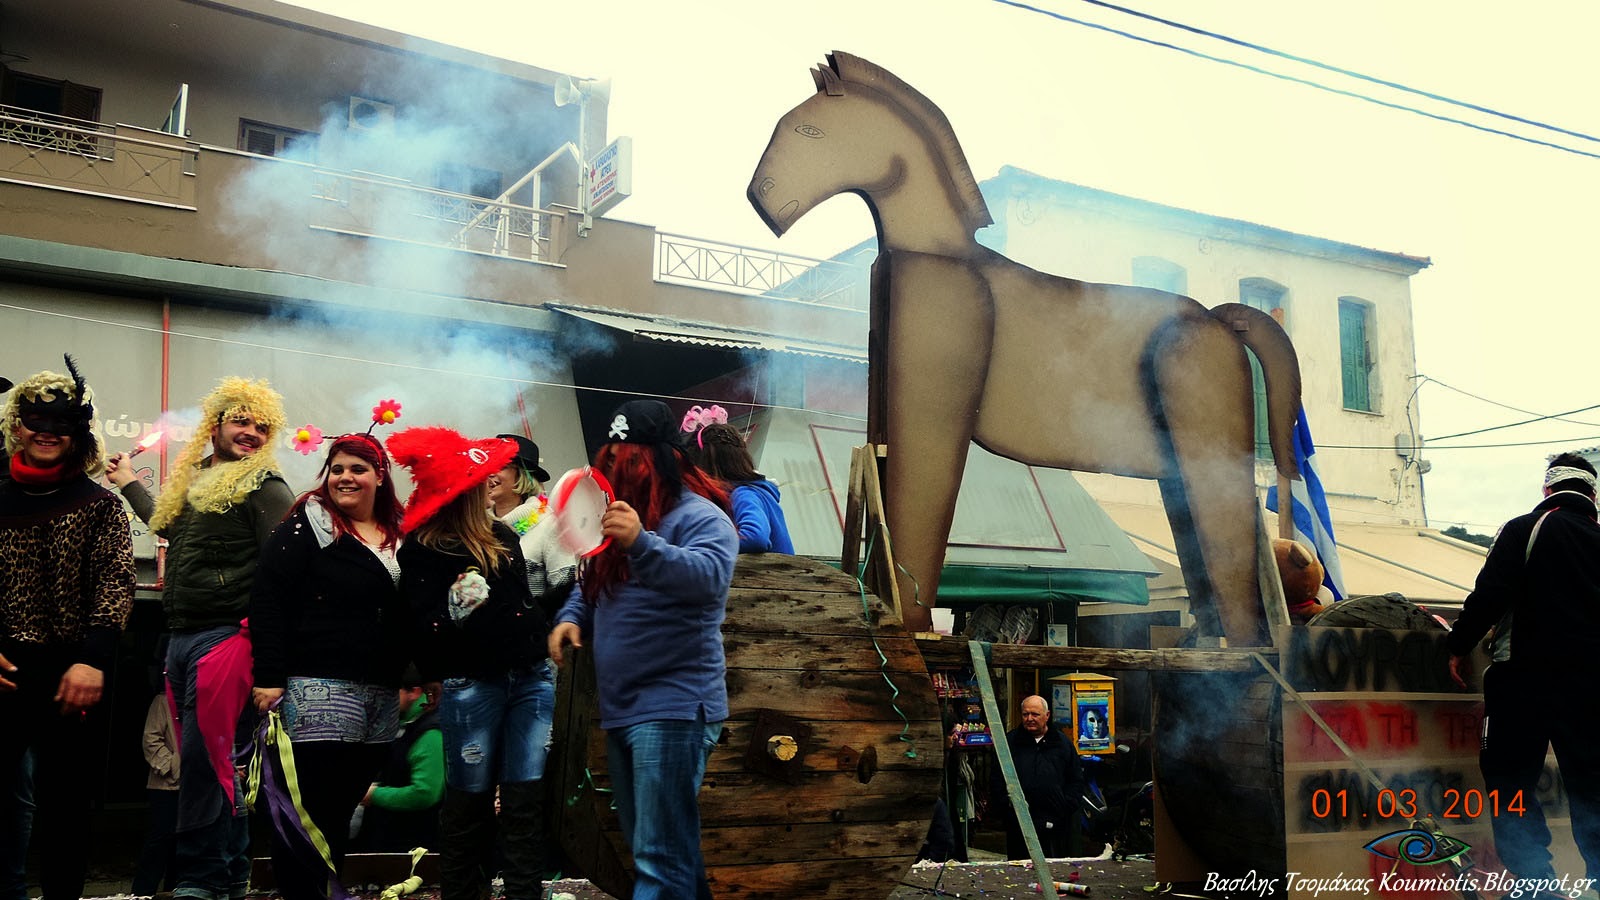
(161, 471)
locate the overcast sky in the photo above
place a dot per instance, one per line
(1505, 313)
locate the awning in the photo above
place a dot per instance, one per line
(1021, 534)
(994, 584)
(708, 334)
(1419, 563)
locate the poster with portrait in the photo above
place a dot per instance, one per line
(1092, 718)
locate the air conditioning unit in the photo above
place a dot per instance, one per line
(370, 115)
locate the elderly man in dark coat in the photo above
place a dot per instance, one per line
(1051, 778)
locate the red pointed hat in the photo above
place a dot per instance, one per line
(444, 464)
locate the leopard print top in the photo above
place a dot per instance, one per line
(66, 564)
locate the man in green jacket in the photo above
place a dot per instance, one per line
(221, 502)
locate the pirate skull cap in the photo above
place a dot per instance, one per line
(642, 422)
(444, 464)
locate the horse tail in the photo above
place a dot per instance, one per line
(1281, 370)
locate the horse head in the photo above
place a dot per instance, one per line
(867, 132)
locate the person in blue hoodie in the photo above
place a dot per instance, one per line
(756, 513)
(651, 607)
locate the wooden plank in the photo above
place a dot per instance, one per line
(767, 844)
(737, 798)
(837, 746)
(788, 573)
(806, 612)
(765, 650)
(786, 881)
(833, 746)
(850, 553)
(1030, 656)
(576, 819)
(833, 696)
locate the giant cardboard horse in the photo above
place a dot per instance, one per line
(967, 345)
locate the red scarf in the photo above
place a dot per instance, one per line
(22, 473)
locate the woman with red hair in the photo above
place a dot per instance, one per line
(652, 606)
(330, 644)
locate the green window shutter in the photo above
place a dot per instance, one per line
(1353, 361)
(1265, 296)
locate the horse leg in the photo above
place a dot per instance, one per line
(940, 326)
(1199, 381)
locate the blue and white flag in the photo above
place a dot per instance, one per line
(1312, 523)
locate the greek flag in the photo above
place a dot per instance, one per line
(1312, 524)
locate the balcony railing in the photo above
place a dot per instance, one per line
(373, 206)
(824, 282)
(88, 157)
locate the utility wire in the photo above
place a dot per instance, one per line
(1342, 71)
(1355, 95)
(1446, 437)
(1431, 446)
(1527, 412)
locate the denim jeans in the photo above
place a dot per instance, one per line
(656, 769)
(62, 749)
(16, 823)
(213, 837)
(497, 731)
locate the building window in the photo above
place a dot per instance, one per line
(1161, 274)
(275, 140)
(1355, 353)
(1266, 296)
(49, 95)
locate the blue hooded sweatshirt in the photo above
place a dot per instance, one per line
(762, 528)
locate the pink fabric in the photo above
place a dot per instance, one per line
(223, 680)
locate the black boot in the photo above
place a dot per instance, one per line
(522, 825)
(466, 840)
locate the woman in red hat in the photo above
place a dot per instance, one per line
(330, 644)
(483, 636)
(651, 606)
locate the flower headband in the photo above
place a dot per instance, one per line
(696, 420)
(307, 438)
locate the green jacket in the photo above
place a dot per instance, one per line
(211, 557)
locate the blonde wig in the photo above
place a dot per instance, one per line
(229, 483)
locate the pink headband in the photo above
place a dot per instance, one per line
(696, 420)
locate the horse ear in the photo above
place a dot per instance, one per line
(816, 78)
(831, 82)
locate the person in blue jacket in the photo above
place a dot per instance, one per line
(651, 607)
(756, 513)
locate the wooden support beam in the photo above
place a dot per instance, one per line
(1008, 767)
(1033, 656)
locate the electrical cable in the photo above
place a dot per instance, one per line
(1354, 95)
(1526, 412)
(1260, 48)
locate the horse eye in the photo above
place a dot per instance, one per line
(810, 131)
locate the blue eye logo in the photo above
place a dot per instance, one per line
(1417, 847)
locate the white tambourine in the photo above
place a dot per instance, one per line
(579, 502)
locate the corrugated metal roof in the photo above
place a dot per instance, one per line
(1419, 563)
(707, 334)
(1008, 514)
